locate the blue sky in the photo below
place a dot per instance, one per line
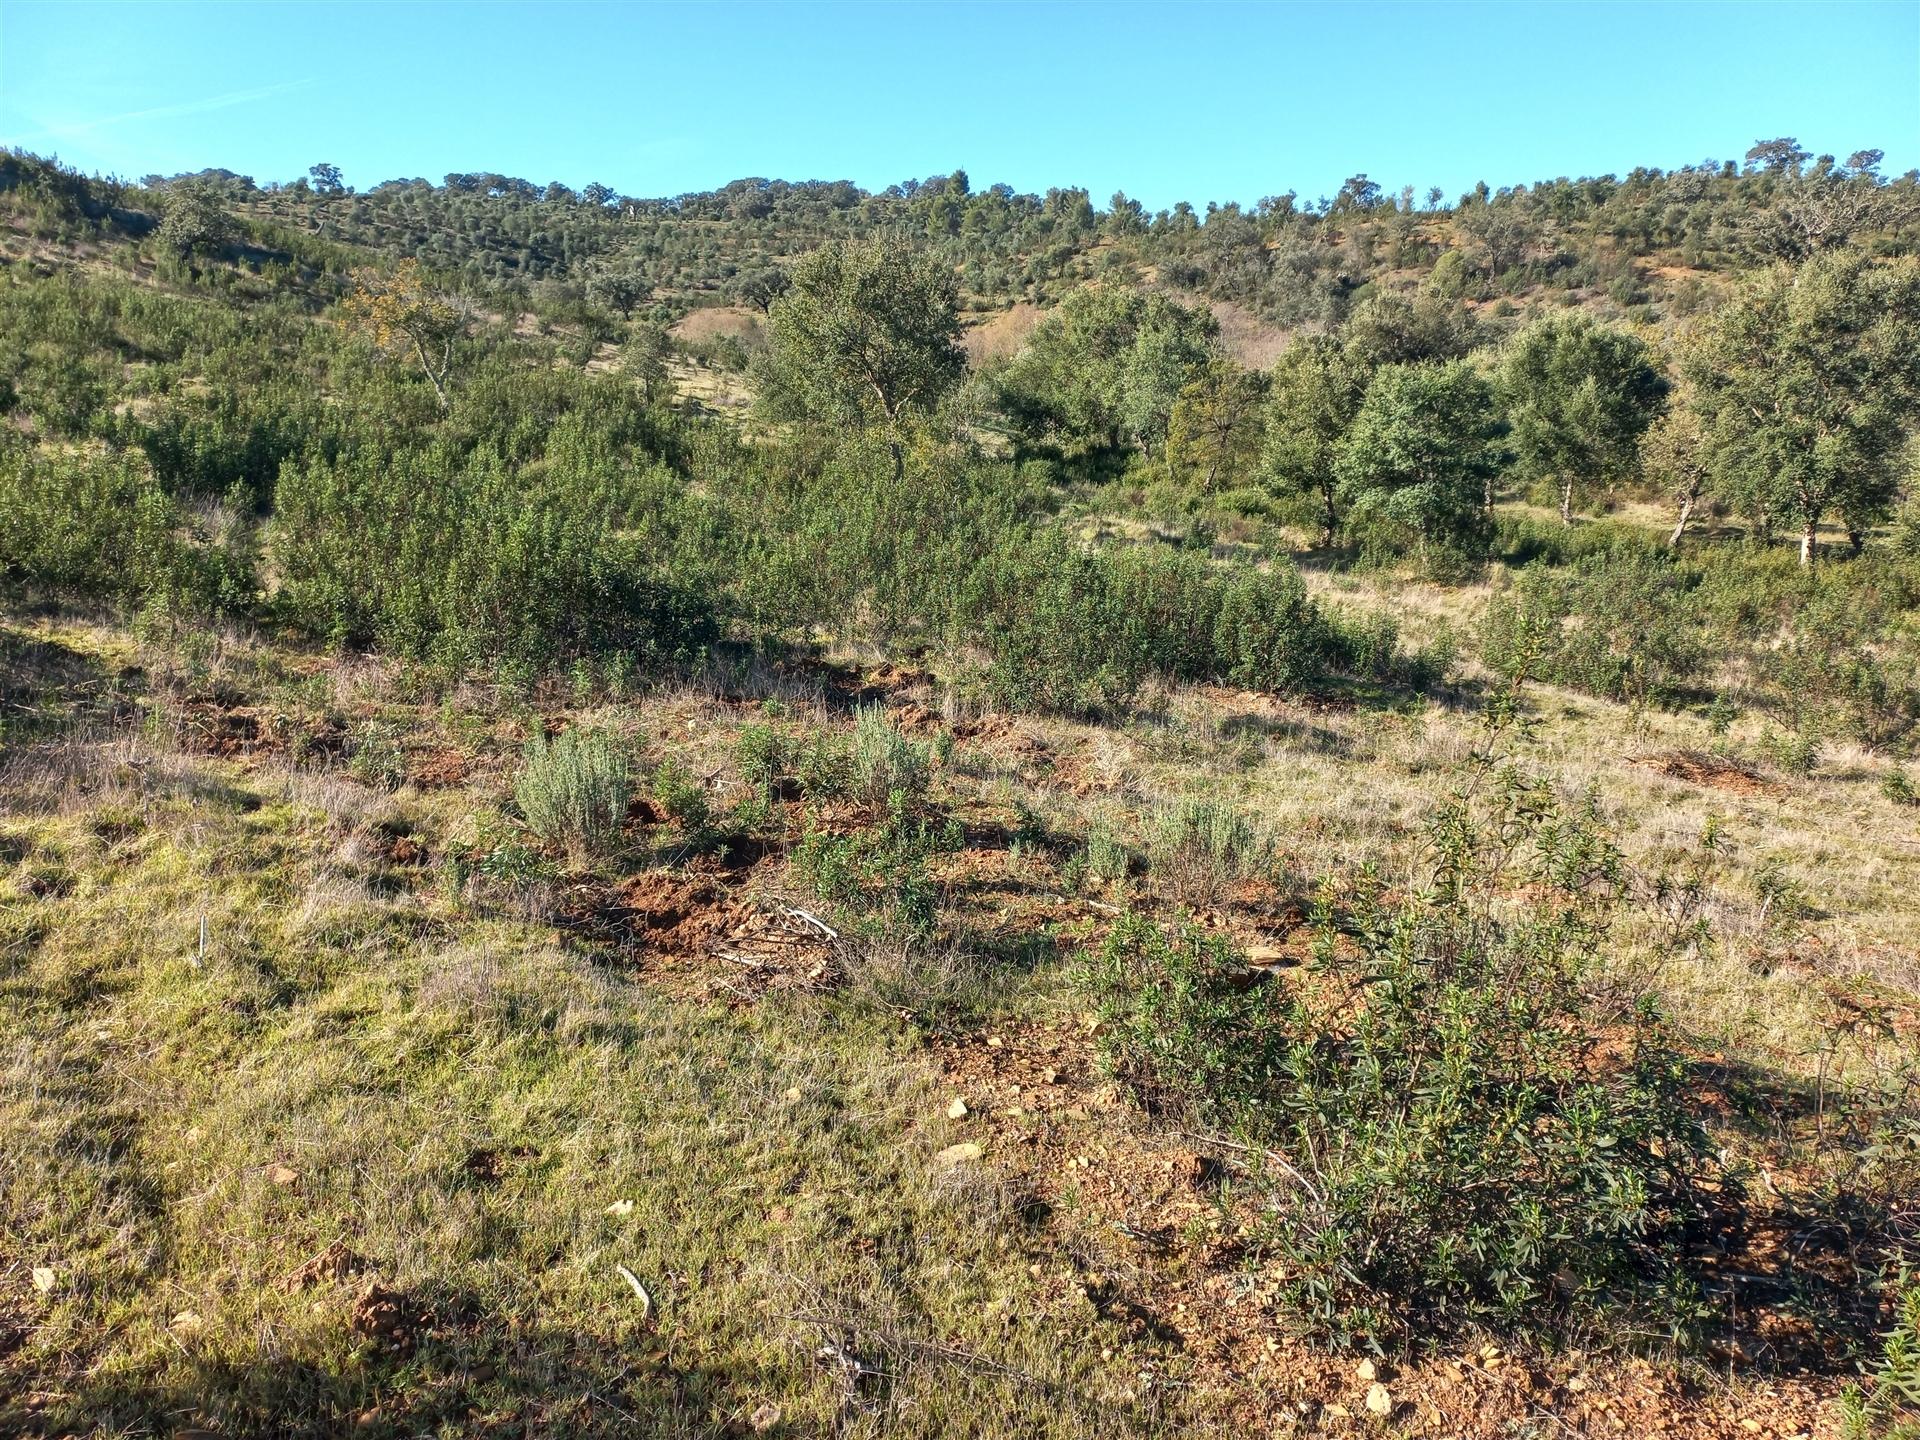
(1167, 102)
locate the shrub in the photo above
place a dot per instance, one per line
(1620, 625)
(879, 874)
(1899, 789)
(1891, 1409)
(682, 796)
(1450, 1137)
(377, 756)
(574, 789)
(885, 762)
(765, 758)
(1269, 635)
(1204, 844)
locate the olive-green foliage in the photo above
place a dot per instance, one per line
(1805, 384)
(1413, 468)
(1106, 368)
(1453, 1134)
(574, 789)
(465, 559)
(1622, 624)
(1578, 396)
(100, 524)
(886, 763)
(867, 334)
(1890, 1410)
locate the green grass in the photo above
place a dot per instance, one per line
(460, 1100)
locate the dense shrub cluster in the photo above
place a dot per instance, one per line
(1449, 1130)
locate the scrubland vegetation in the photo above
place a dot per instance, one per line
(944, 813)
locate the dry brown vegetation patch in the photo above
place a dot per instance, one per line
(1703, 767)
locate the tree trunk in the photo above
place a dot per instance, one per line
(1856, 541)
(1680, 526)
(1810, 541)
(1566, 501)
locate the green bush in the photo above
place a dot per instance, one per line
(1620, 624)
(1890, 1410)
(1202, 845)
(765, 758)
(879, 874)
(886, 763)
(574, 789)
(1450, 1135)
(100, 523)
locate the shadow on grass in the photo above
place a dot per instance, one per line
(444, 1366)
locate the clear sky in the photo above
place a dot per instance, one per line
(1168, 102)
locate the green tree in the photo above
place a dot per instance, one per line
(1579, 396)
(644, 357)
(620, 290)
(868, 334)
(1213, 436)
(1674, 454)
(1806, 382)
(1106, 366)
(1414, 465)
(194, 222)
(1314, 393)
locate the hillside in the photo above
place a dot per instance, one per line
(1168, 841)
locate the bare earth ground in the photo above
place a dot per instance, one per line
(304, 1138)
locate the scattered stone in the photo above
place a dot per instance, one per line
(620, 1207)
(282, 1175)
(957, 1154)
(1379, 1402)
(1365, 1371)
(765, 1418)
(957, 1110)
(43, 1278)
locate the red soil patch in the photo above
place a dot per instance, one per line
(686, 920)
(439, 769)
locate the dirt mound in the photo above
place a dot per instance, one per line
(678, 914)
(206, 726)
(439, 769)
(388, 1320)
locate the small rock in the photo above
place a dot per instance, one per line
(765, 1418)
(994, 1042)
(620, 1207)
(282, 1175)
(43, 1278)
(1365, 1371)
(957, 1154)
(957, 1110)
(1378, 1400)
